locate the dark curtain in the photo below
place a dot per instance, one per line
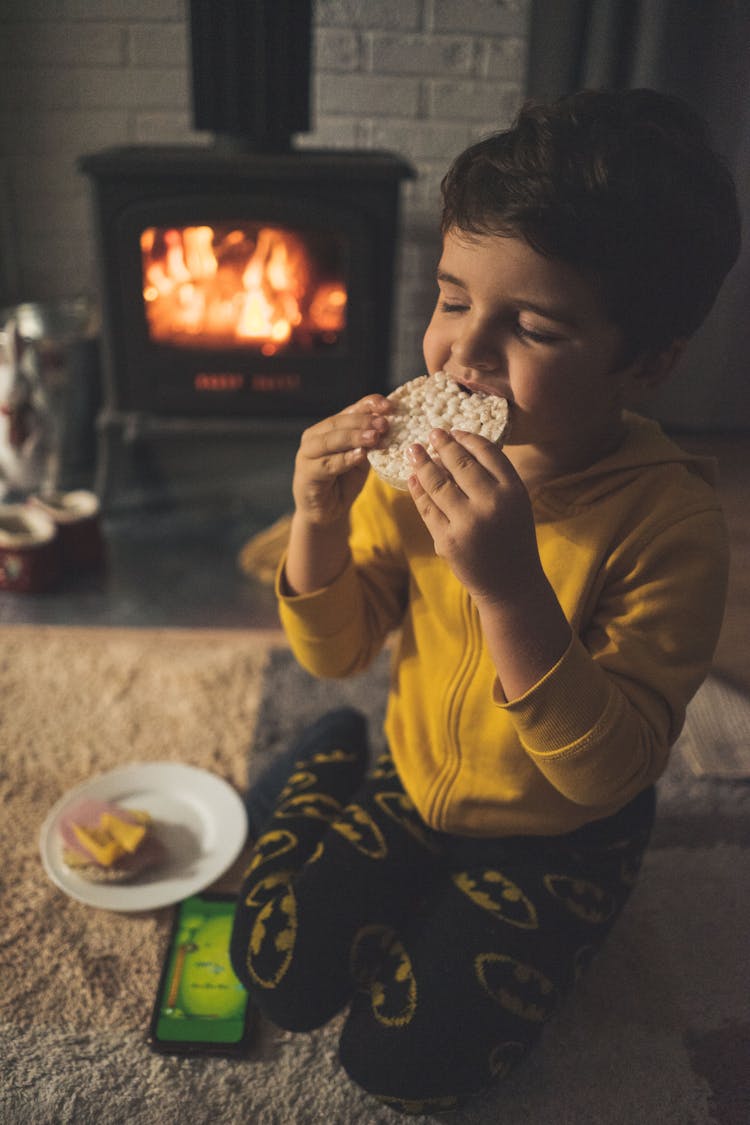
(698, 50)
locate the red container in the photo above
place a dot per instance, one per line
(30, 553)
(76, 518)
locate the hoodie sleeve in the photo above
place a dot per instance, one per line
(600, 723)
(338, 631)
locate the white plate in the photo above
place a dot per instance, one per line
(202, 823)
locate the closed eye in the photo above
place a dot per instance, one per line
(536, 337)
(452, 307)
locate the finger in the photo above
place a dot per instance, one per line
(431, 514)
(486, 453)
(370, 403)
(342, 433)
(328, 466)
(434, 479)
(415, 487)
(459, 461)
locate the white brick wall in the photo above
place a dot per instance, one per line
(420, 77)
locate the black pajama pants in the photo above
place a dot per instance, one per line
(450, 952)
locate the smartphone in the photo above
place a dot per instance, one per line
(201, 1007)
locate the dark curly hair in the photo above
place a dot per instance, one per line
(623, 185)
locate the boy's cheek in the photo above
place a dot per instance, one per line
(435, 352)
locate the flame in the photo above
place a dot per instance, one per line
(251, 285)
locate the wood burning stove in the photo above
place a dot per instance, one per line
(245, 280)
(237, 283)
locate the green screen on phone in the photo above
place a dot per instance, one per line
(202, 1001)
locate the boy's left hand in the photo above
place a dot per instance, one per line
(478, 512)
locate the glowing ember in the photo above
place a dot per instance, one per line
(240, 285)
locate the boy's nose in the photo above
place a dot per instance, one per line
(479, 350)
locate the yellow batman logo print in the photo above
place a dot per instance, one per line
(300, 779)
(328, 757)
(315, 806)
(399, 807)
(381, 965)
(272, 844)
(520, 989)
(357, 826)
(274, 932)
(384, 769)
(585, 900)
(495, 893)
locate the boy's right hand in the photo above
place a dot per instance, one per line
(331, 464)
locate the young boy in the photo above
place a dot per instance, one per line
(558, 603)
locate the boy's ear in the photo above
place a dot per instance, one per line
(651, 369)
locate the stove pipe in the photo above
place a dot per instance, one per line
(251, 71)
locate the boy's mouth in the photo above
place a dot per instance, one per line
(471, 388)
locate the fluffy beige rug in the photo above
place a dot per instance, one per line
(658, 1032)
(76, 703)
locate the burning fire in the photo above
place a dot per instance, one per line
(249, 284)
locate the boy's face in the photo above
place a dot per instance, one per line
(511, 322)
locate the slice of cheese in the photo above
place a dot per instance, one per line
(112, 837)
(100, 844)
(128, 836)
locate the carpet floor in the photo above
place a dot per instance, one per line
(658, 1031)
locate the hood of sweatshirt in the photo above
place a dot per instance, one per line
(645, 451)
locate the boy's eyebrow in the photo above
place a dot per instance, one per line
(560, 316)
(443, 275)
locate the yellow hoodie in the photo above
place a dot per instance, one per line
(636, 550)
